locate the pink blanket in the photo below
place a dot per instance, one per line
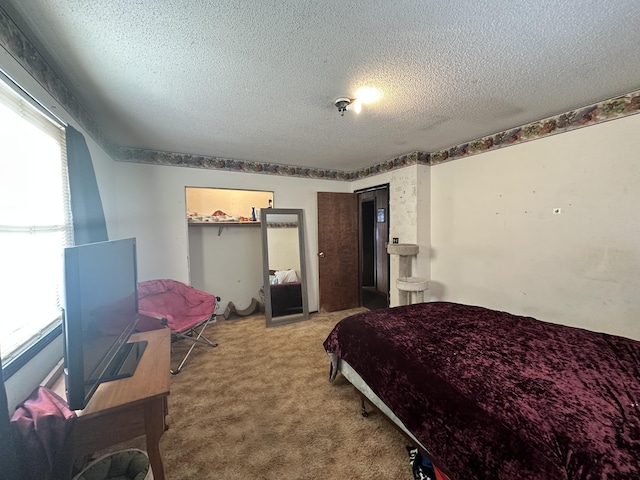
(42, 425)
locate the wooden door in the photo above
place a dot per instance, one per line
(338, 251)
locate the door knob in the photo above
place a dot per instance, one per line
(321, 254)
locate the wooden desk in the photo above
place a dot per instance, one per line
(124, 409)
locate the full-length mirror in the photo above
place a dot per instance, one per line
(284, 269)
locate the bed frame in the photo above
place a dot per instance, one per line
(367, 396)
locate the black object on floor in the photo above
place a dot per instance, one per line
(373, 300)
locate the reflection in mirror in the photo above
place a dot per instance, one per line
(284, 269)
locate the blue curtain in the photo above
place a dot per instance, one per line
(8, 459)
(89, 225)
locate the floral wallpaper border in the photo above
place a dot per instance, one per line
(606, 110)
(282, 224)
(153, 157)
(20, 48)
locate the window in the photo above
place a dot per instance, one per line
(35, 223)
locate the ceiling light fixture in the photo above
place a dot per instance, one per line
(364, 95)
(344, 103)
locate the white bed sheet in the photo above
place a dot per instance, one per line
(356, 380)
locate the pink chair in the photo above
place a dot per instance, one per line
(185, 310)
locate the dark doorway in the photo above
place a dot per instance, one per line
(374, 234)
(368, 244)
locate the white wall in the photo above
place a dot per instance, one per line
(228, 264)
(423, 223)
(151, 202)
(497, 243)
(283, 249)
(234, 203)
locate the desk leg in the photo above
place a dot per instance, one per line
(154, 428)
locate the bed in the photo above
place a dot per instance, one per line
(490, 395)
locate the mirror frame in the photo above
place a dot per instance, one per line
(285, 319)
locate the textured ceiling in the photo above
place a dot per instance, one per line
(256, 80)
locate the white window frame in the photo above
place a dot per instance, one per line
(39, 322)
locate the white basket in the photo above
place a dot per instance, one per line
(87, 468)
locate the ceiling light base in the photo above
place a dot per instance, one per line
(341, 104)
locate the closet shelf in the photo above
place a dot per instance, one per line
(221, 225)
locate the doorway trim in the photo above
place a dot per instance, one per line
(379, 195)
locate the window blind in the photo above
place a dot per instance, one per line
(35, 222)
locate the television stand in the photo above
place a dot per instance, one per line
(129, 407)
(125, 366)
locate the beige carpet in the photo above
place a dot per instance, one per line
(260, 406)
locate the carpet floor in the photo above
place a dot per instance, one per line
(260, 406)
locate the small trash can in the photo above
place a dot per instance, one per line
(132, 464)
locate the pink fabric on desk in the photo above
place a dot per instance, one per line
(41, 427)
(181, 305)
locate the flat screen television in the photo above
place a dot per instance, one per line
(100, 312)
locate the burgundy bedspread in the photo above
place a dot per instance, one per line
(497, 396)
